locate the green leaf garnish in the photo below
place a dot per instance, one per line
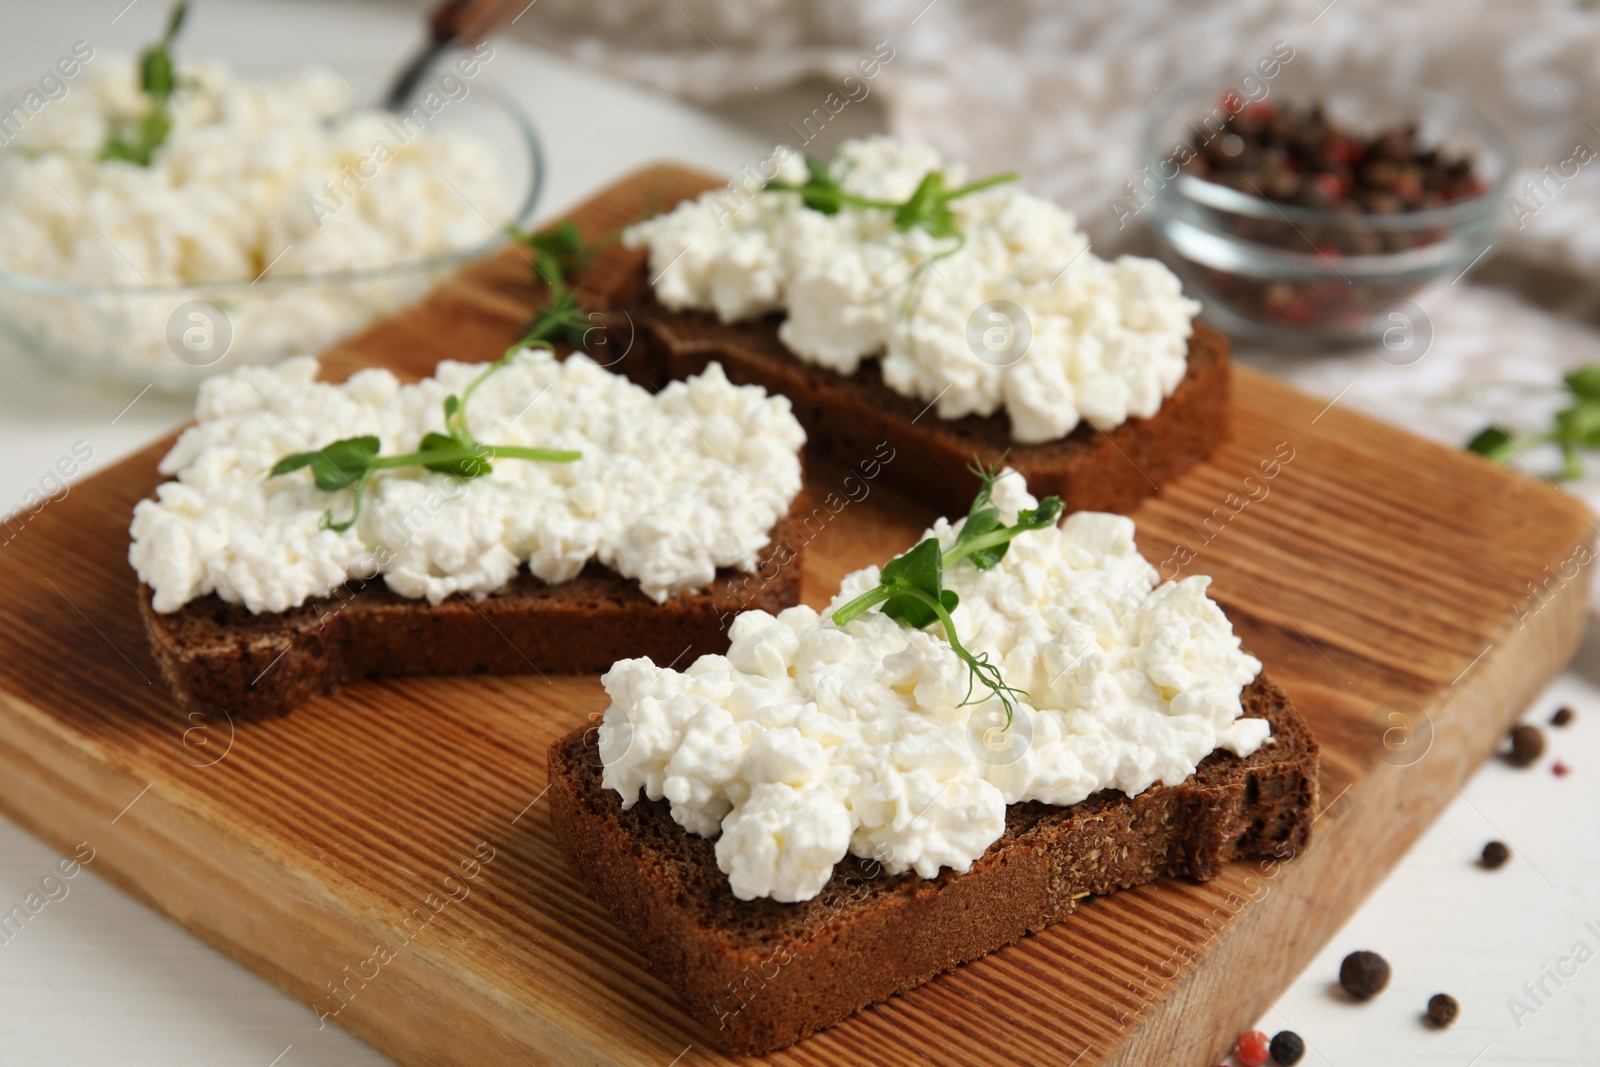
(452, 456)
(1493, 442)
(1584, 383)
(820, 192)
(563, 320)
(1575, 427)
(136, 141)
(354, 460)
(559, 252)
(918, 577)
(1579, 424)
(983, 537)
(911, 586)
(335, 466)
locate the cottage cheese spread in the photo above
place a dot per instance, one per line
(670, 487)
(1097, 340)
(277, 174)
(807, 741)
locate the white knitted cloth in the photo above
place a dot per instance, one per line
(1059, 91)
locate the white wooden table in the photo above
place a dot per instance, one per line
(95, 978)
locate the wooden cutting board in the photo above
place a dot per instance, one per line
(384, 855)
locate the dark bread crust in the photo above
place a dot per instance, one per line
(216, 654)
(845, 418)
(761, 975)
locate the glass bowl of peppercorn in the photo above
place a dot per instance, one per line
(1299, 213)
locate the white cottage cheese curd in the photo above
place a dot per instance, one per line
(276, 173)
(1108, 340)
(807, 741)
(670, 487)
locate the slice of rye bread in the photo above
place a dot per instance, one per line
(847, 417)
(762, 974)
(214, 654)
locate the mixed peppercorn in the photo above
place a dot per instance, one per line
(1298, 156)
(1361, 186)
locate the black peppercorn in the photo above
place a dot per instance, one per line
(1527, 745)
(1364, 974)
(1287, 1048)
(1442, 1009)
(1495, 853)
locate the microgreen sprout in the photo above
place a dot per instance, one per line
(136, 141)
(352, 462)
(911, 587)
(927, 209)
(558, 253)
(1576, 426)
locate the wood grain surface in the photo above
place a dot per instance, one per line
(383, 854)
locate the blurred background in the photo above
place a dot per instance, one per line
(1066, 93)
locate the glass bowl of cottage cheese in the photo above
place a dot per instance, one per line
(281, 212)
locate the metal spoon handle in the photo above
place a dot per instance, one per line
(452, 22)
